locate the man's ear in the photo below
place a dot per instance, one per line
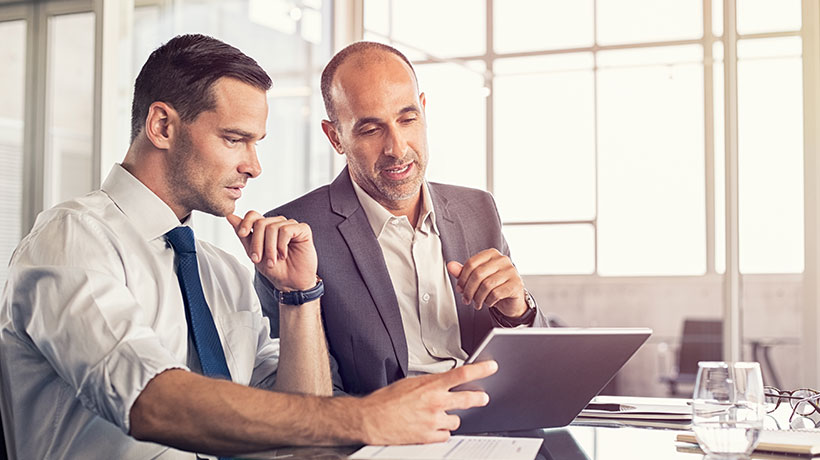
(332, 135)
(423, 101)
(160, 125)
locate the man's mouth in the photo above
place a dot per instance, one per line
(398, 172)
(235, 191)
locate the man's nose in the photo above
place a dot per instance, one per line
(395, 144)
(251, 165)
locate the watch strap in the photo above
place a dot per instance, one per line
(527, 319)
(300, 297)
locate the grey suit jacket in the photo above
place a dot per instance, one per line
(361, 314)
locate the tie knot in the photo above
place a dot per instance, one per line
(182, 240)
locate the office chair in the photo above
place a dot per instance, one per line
(701, 340)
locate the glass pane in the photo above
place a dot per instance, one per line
(760, 16)
(69, 107)
(545, 138)
(719, 157)
(377, 16)
(717, 17)
(12, 91)
(526, 25)
(552, 249)
(440, 29)
(770, 130)
(651, 209)
(456, 120)
(627, 21)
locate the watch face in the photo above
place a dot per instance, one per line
(530, 301)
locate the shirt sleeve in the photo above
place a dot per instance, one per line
(267, 352)
(69, 298)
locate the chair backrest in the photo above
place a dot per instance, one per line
(702, 340)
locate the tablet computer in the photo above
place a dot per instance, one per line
(546, 376)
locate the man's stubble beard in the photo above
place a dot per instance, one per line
(390, 190)
(184, 177)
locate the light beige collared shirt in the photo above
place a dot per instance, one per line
(419, 275)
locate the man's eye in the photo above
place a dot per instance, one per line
(369, 132)
(409, 120)
(231, 140)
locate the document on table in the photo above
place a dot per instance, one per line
(637, 408)
(457, 448)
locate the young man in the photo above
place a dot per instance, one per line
(124, 337)
(417, 272)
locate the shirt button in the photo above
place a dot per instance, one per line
(425, 297)
(394, 221)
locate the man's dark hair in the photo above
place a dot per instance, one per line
(182, 72)
(341, 57)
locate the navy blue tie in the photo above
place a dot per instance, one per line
(200, 322)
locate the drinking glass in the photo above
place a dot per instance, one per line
(728, 408)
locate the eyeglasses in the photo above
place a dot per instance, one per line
(803, 402)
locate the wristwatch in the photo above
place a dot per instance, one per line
(300, 297)
(525, 319)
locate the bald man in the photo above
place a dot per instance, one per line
(416, 272)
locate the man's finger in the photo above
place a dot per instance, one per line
(271, 234)
(473, 263)
(452, 422)
(489, 286)
(257, 243)
(476, 280)
(468, 373)
(235, 220)
(247, 223)
(466, 399)
(454, 268)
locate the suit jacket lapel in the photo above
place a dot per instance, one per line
(454, 247)
(367, 253)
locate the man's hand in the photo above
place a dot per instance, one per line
(489, 278)
(282, 249)
(413, 410)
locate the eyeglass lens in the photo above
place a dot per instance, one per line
(802, 407)
(773, 397)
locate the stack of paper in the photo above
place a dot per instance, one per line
(633, 407)
(638, 411)
(457, 448)
(801, 442)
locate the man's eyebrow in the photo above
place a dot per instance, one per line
(241, 133)
(409, 108)
(367, 120)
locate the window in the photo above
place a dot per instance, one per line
(12, 53)
(601, 124)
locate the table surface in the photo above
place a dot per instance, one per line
(580, 441)
(584, 439)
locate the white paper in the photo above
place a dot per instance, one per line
(457, 448)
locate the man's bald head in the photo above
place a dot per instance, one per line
(361, 54)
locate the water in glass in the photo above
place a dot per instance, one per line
(728, 408)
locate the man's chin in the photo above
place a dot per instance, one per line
(404, 192)
(220, 211)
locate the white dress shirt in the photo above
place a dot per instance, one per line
(92, 311)
(417, 270)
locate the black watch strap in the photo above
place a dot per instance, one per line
(527, 319)
(300, 297)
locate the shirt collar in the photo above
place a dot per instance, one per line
(150, 215)
(378, 216)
